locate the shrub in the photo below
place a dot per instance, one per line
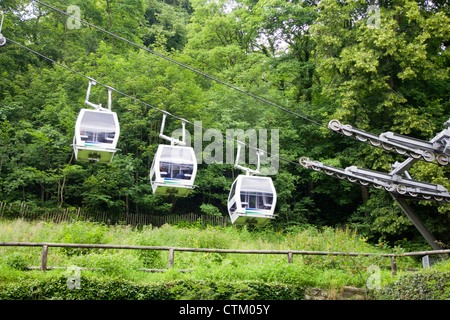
(16, 260)
(115, 289)
(90, 289)
(82, 232)
(210, 210)
(150, 258)
(242, 290)
(420, 286)
(119, 264)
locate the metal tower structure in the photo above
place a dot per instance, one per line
(398, 182)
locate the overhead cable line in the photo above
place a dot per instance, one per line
(187, 67)
(147, 104)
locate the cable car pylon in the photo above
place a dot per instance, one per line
(252, 199)
(398, 182)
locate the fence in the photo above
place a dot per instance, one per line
(15, 210)
(289, 253)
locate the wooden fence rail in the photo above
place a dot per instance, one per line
(290, 253)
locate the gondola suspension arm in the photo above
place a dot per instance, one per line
(172, 140)
(438, 148)
(247, 170)
(400, 184)
(97, 106)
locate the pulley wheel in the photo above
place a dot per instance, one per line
(334, 125)
(304, 161)
(347, 132)
(401, 189)
(363, 182)
(428, 156)
(442, 159)
(400, 151)
(361, 138)
(386, 146)
(414, 155)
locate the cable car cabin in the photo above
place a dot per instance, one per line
(252, 200)
(173, 170)
(96, 135)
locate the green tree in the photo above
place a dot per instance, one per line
(166, 21)
(389, 77)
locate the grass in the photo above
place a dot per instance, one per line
(310, 271)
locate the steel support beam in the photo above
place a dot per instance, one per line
(417, 222)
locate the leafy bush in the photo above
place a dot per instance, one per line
(114, 289)
(82, 232)
(150, 258)
(121, 264)
(17, 261)
(420, 286)
(210, 210)
(90, 289)
(243, 290)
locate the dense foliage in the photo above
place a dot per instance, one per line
(115, 289)
(311, 271)
(423, 286)
(318, 58)
(117, 274)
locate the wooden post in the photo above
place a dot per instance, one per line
(171, 258)
(393, 266)
(44, 258)
(290, 257)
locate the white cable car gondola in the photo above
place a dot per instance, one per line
(174, 167)
(2, 38)
(252, 199)
(96, 132)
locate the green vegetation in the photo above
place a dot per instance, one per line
(320, 59)
(213, 275)
(113, 289)
(317, 58)
(431, 285)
